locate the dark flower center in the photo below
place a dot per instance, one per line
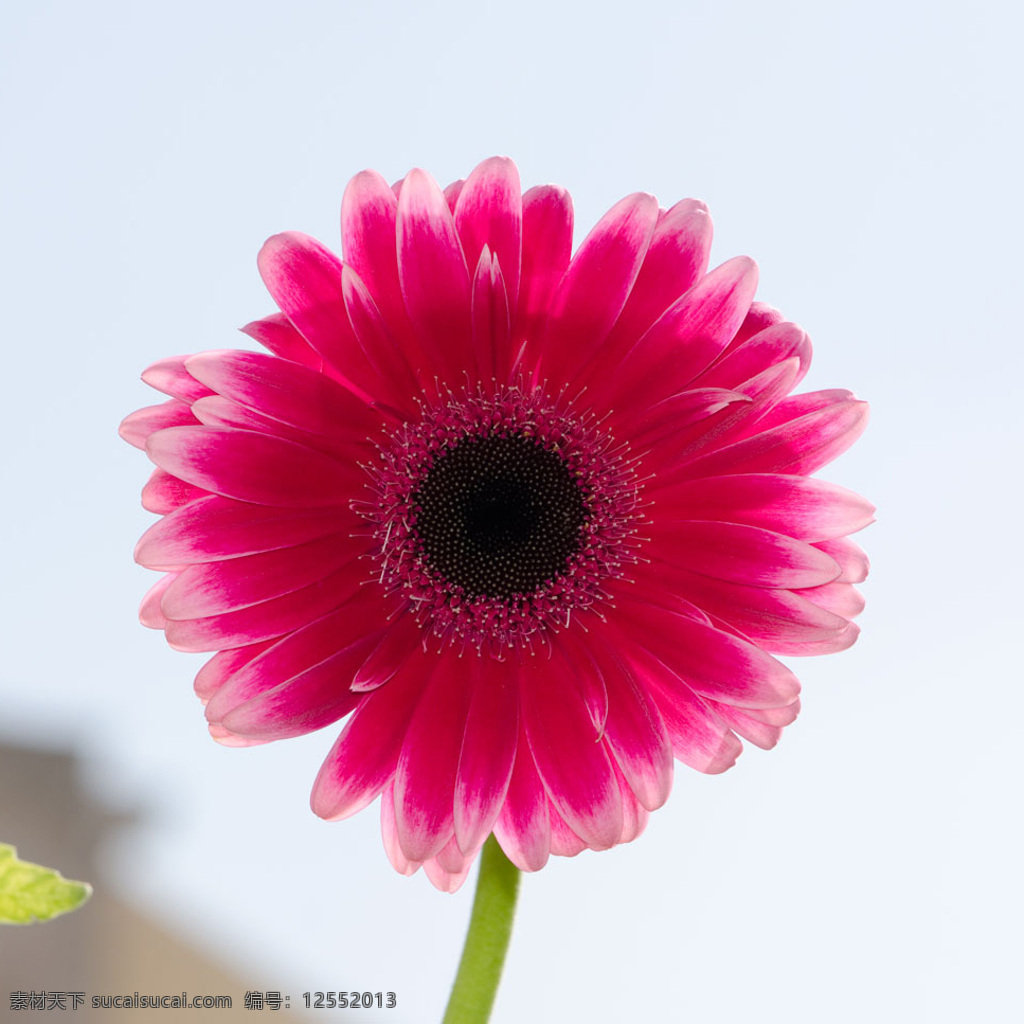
(499, 515)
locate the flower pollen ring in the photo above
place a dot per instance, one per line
(498, 514)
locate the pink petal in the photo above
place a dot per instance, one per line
(682, 342)
(699, 737)
(212, 528)
(742, 554)
(383, 352)
(389, 833)
(594, 290)
(165, 493)
(575, 768)
(586, 675)
(216, 411)
(401, 640)
(634, 815)
(434, 277)
(488, 751)
(365, 757)
(369, 212)
(136, 428)
(547, 247)
(223, 665)
(798, 446)
(269, 619)
(635, 733)
(276, 333)
(696, 408)
(450, 868)
(335, 643)
(758, 353)
(150, 613)
(523, 827)
(489, 212)
(761, 316)
(778, 620)
(849, 555)
(304, 278)
(761, 734)
(452, 193)
(170, 376)
(491, 325)
(713, 663)
(428, 765)
(287, 392)
(254, 467)
(801, 507)
(676, 260)
(564, 842)
(223, 586)
(841, 598)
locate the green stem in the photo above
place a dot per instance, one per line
(490, 928)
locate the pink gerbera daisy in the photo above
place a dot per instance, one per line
(536, 524)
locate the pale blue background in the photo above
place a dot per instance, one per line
(867, 155)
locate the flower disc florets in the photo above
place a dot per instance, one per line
(498, 514)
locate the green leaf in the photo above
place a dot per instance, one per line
(30, 892)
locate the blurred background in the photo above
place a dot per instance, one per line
(867, 155)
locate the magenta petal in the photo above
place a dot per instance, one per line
(713, 663)
(744, 554)
(491, 325)
(150, 613)
(778, 620)
(849, 555)
(268, 619)
(223, 665)
(764, 350)
(683, 341)
(801, 507)
(165, 493)
(564, 842)
(389, 833)
(254, 467)
(384, 354)
(229, 584)
(369, 212)
(547, 247)
(635, 733)
(799, 446)
(488, 752)
(287, 392)
(276, 333)
(450, 868)
(365, 756)
(304, 277)
(764, 734)
(136, 428)
(595, 287)
(841, 598)
(489, 212)
(523, 826)
(401, 639)
(676, 260)
(697, 408)
(575, 768)
(211, 528)
(435, 278)
(699, 737)
(428, 764)
(171, 377)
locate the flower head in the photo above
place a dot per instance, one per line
(536, 522)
